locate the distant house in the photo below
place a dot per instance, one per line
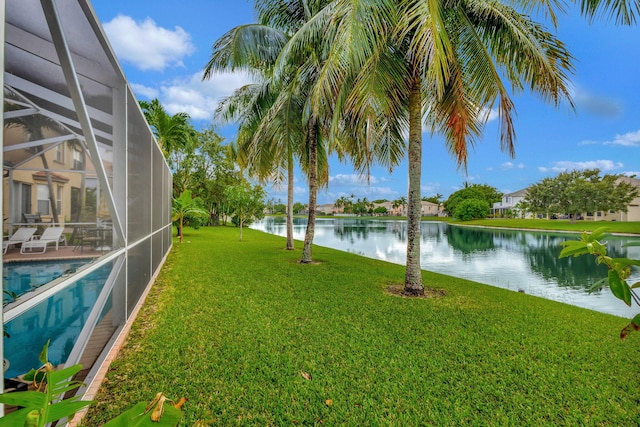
(326, 209)
(426, 209)
(508, 202)
(632, 214)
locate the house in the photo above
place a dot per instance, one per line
(508, 203)
(426, 209)
(632, 214)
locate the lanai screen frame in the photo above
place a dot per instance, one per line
(56, 54)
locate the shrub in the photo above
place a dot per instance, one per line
(472, 209)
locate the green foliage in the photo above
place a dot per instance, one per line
(476, 191)
(577, 192)
(186, 210)
(298, 207)
(43, 405)
(472, 209)
(280, 208)
(362, 207)
(619, 270)
(46, 404)
(246, 203)
(380, 210)
(155, 414)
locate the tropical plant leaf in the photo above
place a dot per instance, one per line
(635, 285)
(15, 419)
(58, 378)
(23, 398)
(598, 234)
(137, 416)
(626, 261)
(65, 409)
(44, 353)
(573, 248)
(619, 287)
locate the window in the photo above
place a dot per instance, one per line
(59, 199)
(599, 213)
(78, 163)
(60, 153)
(43, 199)
(25, 198)
(612, 212)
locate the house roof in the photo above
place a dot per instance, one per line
(519, 193)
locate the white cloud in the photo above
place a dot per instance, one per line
(511, 165)
(146, 92)
(563, 166)
(629, 139)
(146, 45)
(430, 188)
(490, 114)
(588, 142)
(351, 179)
(193, 96)
(506, 166)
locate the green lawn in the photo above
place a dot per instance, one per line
(234, 325)
(534, 224)
(556, 225)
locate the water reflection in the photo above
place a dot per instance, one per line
(516, 260)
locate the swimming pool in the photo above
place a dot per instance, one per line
(59, 318)
(24, 276)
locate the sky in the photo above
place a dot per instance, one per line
(164, 45)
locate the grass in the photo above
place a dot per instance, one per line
(533, 224)
(234, 325)
(556, 225)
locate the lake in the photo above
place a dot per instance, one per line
(521, 261)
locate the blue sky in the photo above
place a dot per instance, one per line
(163, 46)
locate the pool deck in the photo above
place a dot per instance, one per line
(63, 252)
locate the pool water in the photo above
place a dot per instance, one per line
(59, 318)
(22, 277)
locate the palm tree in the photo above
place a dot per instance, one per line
(273, 126)
(173, 132)
(624, 11)
(254, 48)
(184, 206)
(392, 64)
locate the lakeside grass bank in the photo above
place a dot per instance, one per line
(631, 228)
(233, 325)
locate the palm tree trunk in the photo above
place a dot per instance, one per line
(290, 245)
(413, 275)
(52, 196)
(313, 189)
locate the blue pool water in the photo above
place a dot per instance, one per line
(59, 318)
(24, 276)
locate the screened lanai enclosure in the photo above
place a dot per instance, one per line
(84, 176)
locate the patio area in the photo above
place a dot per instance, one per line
(64, 252)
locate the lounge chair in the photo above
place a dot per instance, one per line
(22, 234)
(50, 235)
